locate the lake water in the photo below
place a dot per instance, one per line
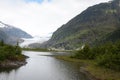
(41, 67)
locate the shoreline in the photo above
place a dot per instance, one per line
(92, 71)
(12, 64)
(82, 67)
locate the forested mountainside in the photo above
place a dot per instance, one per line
(97, 23)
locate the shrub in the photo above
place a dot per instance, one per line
(106, 55)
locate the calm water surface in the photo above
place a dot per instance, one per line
(43, 68)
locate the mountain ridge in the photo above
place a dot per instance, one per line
(11, 35)
(14, 31)
(90, 26)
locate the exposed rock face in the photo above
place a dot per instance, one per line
(10, 64)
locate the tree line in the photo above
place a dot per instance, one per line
(8, 52)
(106, 55)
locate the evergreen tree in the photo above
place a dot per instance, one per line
(1, 43)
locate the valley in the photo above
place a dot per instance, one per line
(85, 46)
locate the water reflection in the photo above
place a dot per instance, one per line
(8, 70)
(44, 68)
(8, 75)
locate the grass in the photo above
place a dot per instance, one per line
(90, 67)
(36, 49)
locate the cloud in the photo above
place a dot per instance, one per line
(41, 18)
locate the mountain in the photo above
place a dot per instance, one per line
(3, 35)
(14, 32)
(92, 25)
(11, 35)
(8, 39)
(114, 36)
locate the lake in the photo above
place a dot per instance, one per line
(41, 67)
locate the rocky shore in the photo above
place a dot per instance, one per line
(11, 64)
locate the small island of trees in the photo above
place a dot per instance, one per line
(10, 53)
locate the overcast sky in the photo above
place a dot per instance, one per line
(41, 17)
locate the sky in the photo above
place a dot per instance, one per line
(41, 17)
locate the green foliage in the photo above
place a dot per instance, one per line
(1, 43)
(107, 55)
(97, 23)
(83, 53)
(109, 60)
(35, 49)
(8, 52)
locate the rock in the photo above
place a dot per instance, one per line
(8, 64)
